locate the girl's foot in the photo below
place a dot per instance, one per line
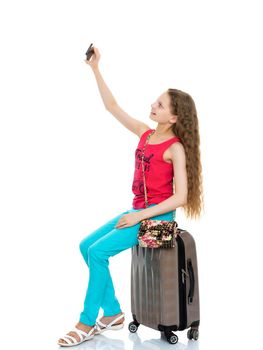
(80, 326)
(109, 319)
(115, 322)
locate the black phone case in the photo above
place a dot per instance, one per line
(90, 52)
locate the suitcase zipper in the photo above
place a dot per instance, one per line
(184, 273)
(182, 285)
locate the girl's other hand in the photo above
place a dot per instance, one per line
(94, 60)
(129, 220)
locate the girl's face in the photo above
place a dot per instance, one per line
(161, 110)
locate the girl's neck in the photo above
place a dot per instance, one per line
(163, 131)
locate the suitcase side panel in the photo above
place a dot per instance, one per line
(192, 305)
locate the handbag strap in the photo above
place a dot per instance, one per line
(144, 181)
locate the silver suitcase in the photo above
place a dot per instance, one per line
(164, 288)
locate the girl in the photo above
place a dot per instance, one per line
(172, 159)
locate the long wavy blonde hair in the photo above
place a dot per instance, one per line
(187, 129)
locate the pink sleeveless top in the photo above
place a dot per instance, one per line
(158, 173)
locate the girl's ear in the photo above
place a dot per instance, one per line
(173, 118)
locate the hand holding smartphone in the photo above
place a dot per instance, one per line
(95, 54)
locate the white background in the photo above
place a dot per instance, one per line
(67, 164)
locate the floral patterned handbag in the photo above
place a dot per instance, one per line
(156, 233)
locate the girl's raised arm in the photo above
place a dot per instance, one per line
(134, 125)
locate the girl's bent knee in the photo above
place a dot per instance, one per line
(83, 247)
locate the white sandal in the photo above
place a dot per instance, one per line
(82, 335)
(101, 327)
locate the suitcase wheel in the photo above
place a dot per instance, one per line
(133, 327)
(193, 334)
(171, 337)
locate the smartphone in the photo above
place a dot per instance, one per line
(90, 52)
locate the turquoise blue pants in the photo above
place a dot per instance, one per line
(96, 250)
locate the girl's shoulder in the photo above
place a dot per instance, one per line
(144, 131)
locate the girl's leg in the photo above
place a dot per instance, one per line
(109, 295)
(110, 301)
(99, 252)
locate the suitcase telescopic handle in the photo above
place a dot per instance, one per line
(192, 281)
